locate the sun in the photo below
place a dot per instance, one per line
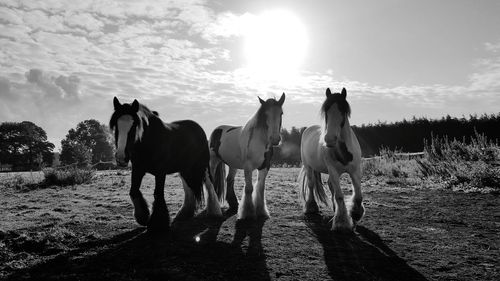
(275, 44)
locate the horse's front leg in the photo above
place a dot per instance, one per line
(246, 209)
(259, 198)
(341, 221)
(160, 219)
(356, 208)
(141, 209)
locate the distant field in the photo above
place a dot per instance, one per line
(87, 232)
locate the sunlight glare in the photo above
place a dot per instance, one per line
(275, 44)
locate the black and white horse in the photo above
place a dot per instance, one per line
(248, 148)
(333, 150)
(159, 149)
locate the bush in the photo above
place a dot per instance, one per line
(17, 182)
(470, 166)
(64, 177)
(389, 164)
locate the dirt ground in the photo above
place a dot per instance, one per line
(87, 232)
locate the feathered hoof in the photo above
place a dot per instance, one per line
(184, 215)
(356, 211)
(311, 208)
(158, 228)
(213, 213)
(263, 215)
(247, 213)
(342, 226)
(159, 222)
(247, 216)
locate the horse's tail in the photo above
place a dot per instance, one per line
(318, 187)
(219, 180)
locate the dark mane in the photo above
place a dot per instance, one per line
(341, 102)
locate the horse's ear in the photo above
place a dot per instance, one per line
(343, 93)
(328, 92)
(261, 100)
(116, 103)
(282, 99)
(135, 106)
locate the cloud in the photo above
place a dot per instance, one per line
(61, 62)
(44, 82)
(70, 85)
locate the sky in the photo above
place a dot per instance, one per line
(62, 62)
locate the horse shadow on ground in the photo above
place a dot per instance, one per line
(360, 256)
(188, 252)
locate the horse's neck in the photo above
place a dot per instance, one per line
(252, 133)
(148, 127)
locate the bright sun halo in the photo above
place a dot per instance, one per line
(275, 44)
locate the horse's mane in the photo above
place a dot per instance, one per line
(341, 102)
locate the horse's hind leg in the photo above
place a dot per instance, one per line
(310, 206)
(259, 198)
(189, 206)
(160, 218)
(230, 195)
(213, 206)
(141, 209)
(356, 208)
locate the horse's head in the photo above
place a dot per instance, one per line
(124, 122)
(270, 114)
(335, 111)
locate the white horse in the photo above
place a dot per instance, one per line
(247, 148)
(333, 149)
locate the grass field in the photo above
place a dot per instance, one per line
(87, 232)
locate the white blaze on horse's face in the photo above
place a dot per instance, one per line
(124, 124)
(274, 115)
(333, 126)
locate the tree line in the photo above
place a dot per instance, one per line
(24, 145)
(405, 136)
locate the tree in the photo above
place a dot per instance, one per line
(24, 145)
(90, 139)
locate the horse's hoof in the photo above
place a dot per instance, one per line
(357, 213)
(247, 217)
(310, 209)
(345, 226)
(264, 216)
(157, 229)
(215, 214)
(142, 218)
(342, 230)
(183, 215)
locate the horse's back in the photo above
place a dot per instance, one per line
(189, 140)
(225, 144)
